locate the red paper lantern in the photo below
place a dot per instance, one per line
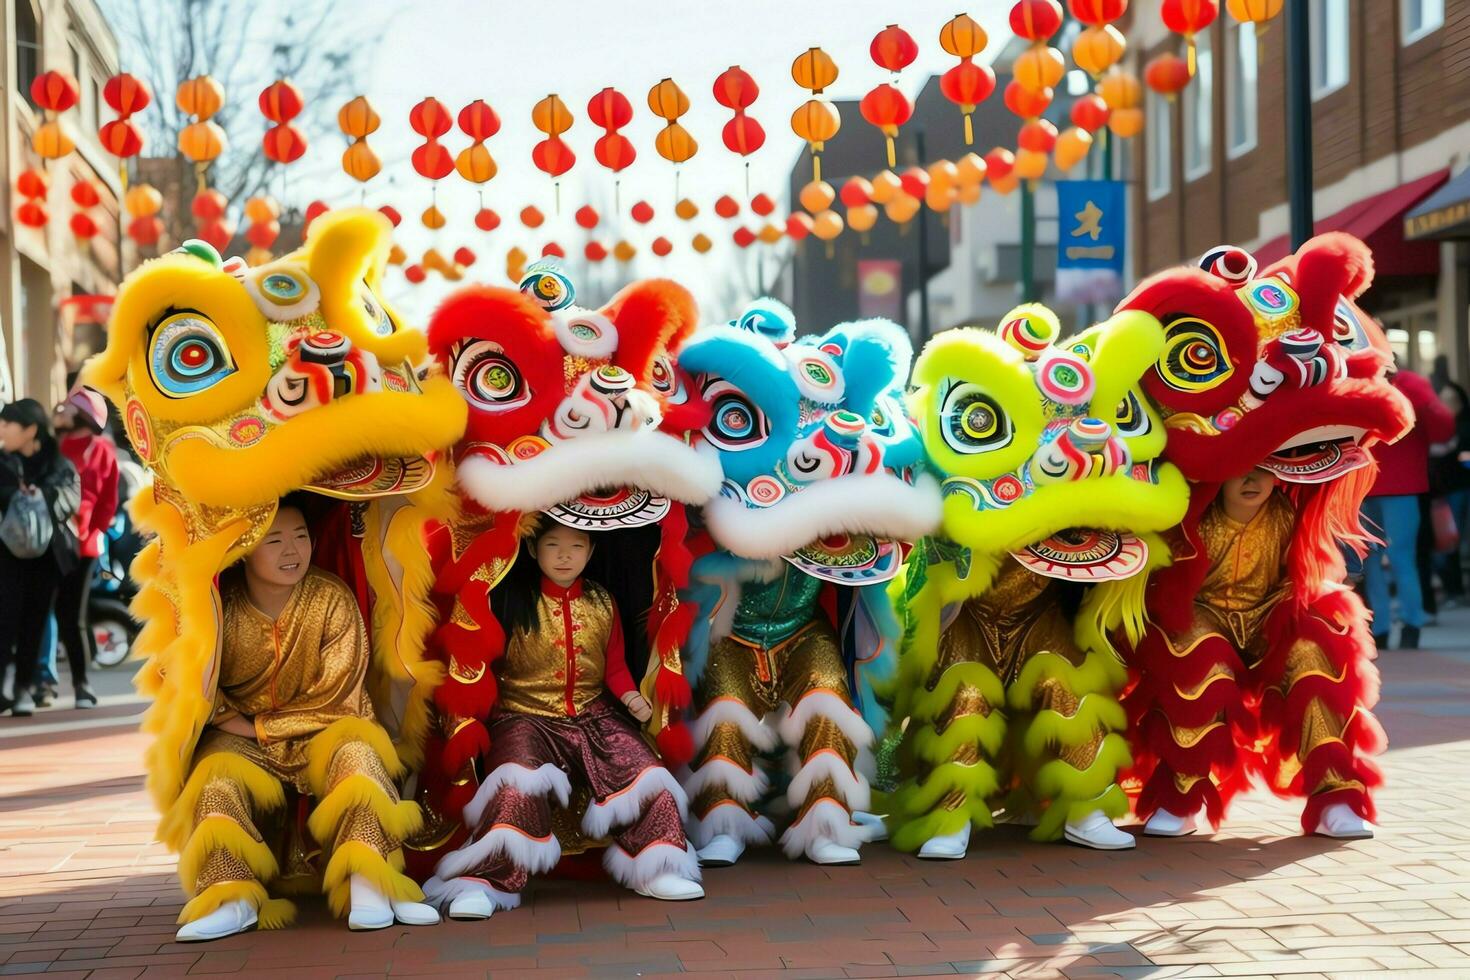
(263, 234)
(1036, 20)
(743, 135)
(915, 181)
(744, 237)
(967, 85)
(553, 156)
(1166, 74)
(611, 110)
(642, 212)
(1090, 112)
(126, 94)
(280, 102)
(856, 192)
(432, 160)
(208, 205)
(886, 108)
(314, 210)
(532, 217)
(762, 205)
(587, 217)
(1188, 16)
(429, 118)
(216, 233)
(121, 138)
(486, 220)
(551, 250)
(999, 163)
(32, 214)
(32, 183)
(1038, 135)
(1096, 13)
(798, 226)
(479, 122)
(415, 273)
(727, 206)
(595, 251)
(391, 213)
(614, 151)
(84, 194)
(146, 230)
(662, 246)
(464, 256)
(283, 143)
(1026, 103)
(82, 225)
(735, 89)
(54, 90)
(893, 48)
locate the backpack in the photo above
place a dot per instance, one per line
(26, 528)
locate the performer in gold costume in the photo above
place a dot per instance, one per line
(566, 709)
(292, 711)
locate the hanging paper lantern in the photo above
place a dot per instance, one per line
(914, 181)
(886, 185)
(532, 217)
(1038, 136)
(552, 156)
(1027, 103)
(1030, 164)
(415, 274)
(263, 235)
(856, 191)
(431, 159)
(943, 173)
(624, 252)
(1121, 90)
(396, 255)
(1098, 48)
(1071, 147)
(208, 205)
(815, 120)
(280, 102)
(479, 122)
(940, 197)
(586, 217)
(902, 208)
(433, 219)
(661, 246)
(701, 243)
(727, 206)
(893, 48)
(673, 142)
(84, 194)
(391, 213)
(1125, 123)
(1096, 13)
(126, 95)
(886, 109)
(966, 84)
(999, 163)
(1167, 74)
(1036, 20)
(968, 194)
(1189, 17)
(200, 96)
(121, 138)
(1039, 68)
(770, 233)
(969, 170)
(54, 91)
(216, 233)
(202, 140)
(551, 250)
(50, 140)
(595, 251)
(515, 264)
(313, 211)
(259, 210)
(798, 226)
(142, 200)
(1256, 12)
(743, 237)
(358, 121)
(817, 196)
(642, 212)
(486, 220)
(32, 214)
(736, 90)
(611, 110)
(686, 209)
(283, 144)
(862, 217)
(762, 205)
(145, 230)
(430, 119)
(464, 256)
(1089, 112)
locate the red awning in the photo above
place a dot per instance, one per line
(1378, 221)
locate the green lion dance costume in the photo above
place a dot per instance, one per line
(1010, 700)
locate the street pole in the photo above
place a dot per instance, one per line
(925, 328)
(1028, 243)
(1299, 120)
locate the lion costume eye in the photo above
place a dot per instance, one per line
(1347, 329)
(488, 378)
(736, 423)
(1194, 356)
(188, 355)
(1133, 418)
(283, 291)
(972, 422)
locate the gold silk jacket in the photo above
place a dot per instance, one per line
(570, 659)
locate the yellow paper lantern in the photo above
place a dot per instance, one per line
(944, 174)
(886, 186)
(51, 141)
(360, 162)
(624, 252)
(143, 200)
(702, 243)
(969, 194)
(862, 218)
(1125, 123)
(970, 169)
(201, 96)
(827, 225)
(1006, 184)
(1030, 164)
(202, 141)
(939, 197)
(902, 208)
(1039, 68)
(1121, 90)
(1072, 145)
(358, 119)
(1098, 48)
(686, 209)
(475, 164)
(816, 121)
(260, 210)
(771, 233)
(432, 218)
(1254, 11)
(396, 255)
(817, 196)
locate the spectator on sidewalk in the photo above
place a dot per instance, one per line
(1392, 512)
(31, 460)
(79, 423)
(1449, 479)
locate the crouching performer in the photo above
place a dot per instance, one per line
(292, 710)
(563, 728)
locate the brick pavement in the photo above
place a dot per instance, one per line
(84, 892)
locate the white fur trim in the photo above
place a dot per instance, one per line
(535, 855)
(825, 704)
(733, 820)
(643, 458)
(652, 861)
(439, 893)
(628, 804)
(533, 782)
(747, 787)
(825, 819)
(878, 504)
(827, 764)
(732, 711)
(866, 764)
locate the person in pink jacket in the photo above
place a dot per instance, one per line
(1392, 512)
(79, 422)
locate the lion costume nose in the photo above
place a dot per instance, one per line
(1087, 447)
(330, 350)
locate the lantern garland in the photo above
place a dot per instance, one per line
(1123, 95)
(816, 120)
(885, 107)
(430, 159)
(263, 228)
(358, 121)
(281, 102)
(966, 84)
(54, 92)
(611, 110)
(126, 95)
(85, 197)
(737, 91)
(1167, 74)
(1037, 71)
(32, 185)
(143, 202)
(201, 141)
(552, 156)
(474, 163)
(211, 214)
(673, 142)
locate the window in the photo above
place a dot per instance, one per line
(27, 48)
(1158, 130)
(1329, 44)
(1199, 116)
(87, 107)
(1421, 17)
(1240, 88)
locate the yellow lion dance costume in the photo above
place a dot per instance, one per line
(236, 386)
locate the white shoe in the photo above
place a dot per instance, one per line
(823, 850)
(1166, 824)
(721, 852)
(471, 905)
(672, 887)
(874, 829)
(950, 847)
(1097, 831)
(24, 706)
(227, 920)
(371, 909)
(1339, 820)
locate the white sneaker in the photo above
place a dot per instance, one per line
(1166, 824)
(949, 847)
(227, 920)
(24, 706)
(672, 887)
(371, 909)
(721, 852)
(823, 850)
(874, 829)
(1097, 831)
(1339, 820)
(471, 905)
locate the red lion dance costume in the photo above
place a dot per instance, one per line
(1259, 659)
(580, 414)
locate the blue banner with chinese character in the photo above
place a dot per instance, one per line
(1092, 230)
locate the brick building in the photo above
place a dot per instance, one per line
(1391, 123)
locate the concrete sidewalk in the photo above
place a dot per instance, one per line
(84, 891)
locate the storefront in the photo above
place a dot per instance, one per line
(1443, 220)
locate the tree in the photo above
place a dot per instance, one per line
(323, 46)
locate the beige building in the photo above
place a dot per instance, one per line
(41, 268)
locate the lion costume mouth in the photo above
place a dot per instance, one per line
(1319, 455)
(368, 476)
(611, 509)
(1086, 555)
(850, 559)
